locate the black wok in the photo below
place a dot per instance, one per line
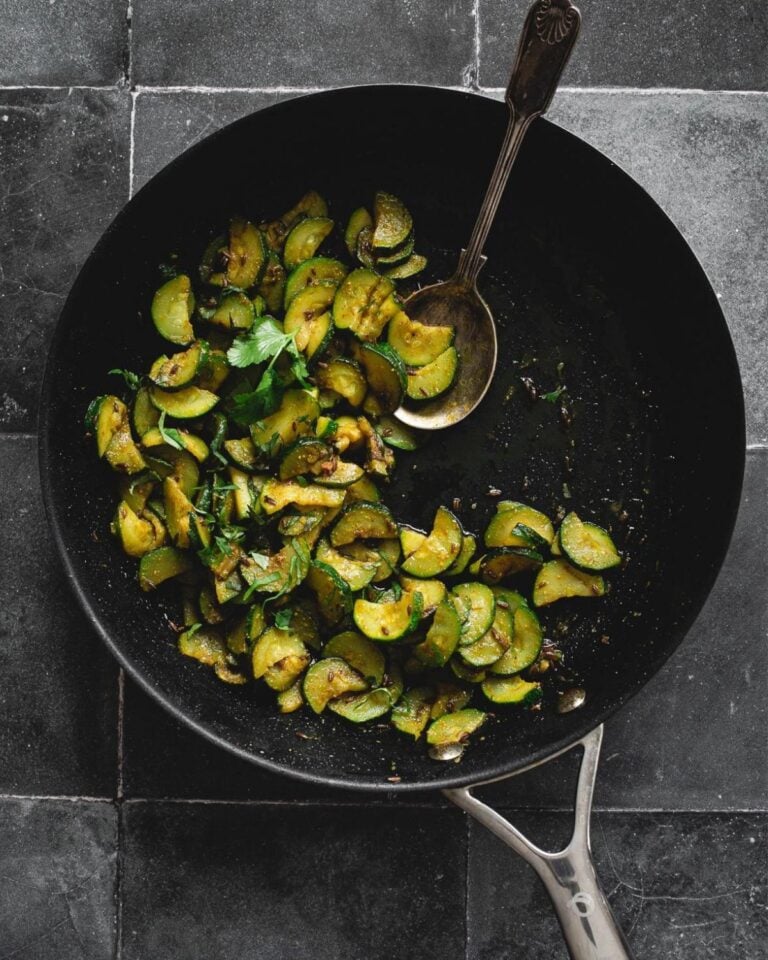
(583, 269)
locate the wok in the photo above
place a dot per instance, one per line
(583, 270)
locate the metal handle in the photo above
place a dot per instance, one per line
(569, 875)
(548, 37)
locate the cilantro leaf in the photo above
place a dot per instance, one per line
(132, 380)
(283, 618)
(554, 395)
(170, 435)
(254, 405)
(264, 341)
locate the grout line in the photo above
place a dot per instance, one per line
(119, 884)
(466, 886)
(474, 71)
(119, 791)
(17, 435)
(69, 798)
(131, 147)
(61, 86)
(758, 447)
(642, 91)
(202, 88)
(129, 51)
(363, 801)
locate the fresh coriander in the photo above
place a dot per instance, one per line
(132, 380)
(170, 435)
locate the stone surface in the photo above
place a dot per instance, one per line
(63, 41)
(680, 885)
(692, 43)
(215, 881)
(58, 685)
(64, 175)
(305, 43)
(57, 880)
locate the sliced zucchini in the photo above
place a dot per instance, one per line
(312, 272)
(364, 304)
(392, 221)
(586, 545)
(465, 555)
(558, 579)
(294, 418)
(214, 371)
(388, 621)
(432, 592)
(493, 644)
(417, 343)
(380, 460)
(179, 511)
(160, 565)
(509, 599)
(359, 219)
(279, 657)
(320, 337)
(305, 622)
(362, 655)
(501, 530)
(433, 379)
(276, 495)
(511, 690)
(449, 699)
(210, 611)
(442, 638)
(362, 707)
(172, 308)
(283, 571)
(310, 205)
(507, 561)
(386, 376)
(186, 404)
(345, 377)
(334, 598)
(476, 607)
(364, 248)
(439, 550)
(122, 454)
(455, 728)
(307, 455)
(105, 416)
(396, 434)
(305, 237)
(526, 643)
(272, 285)
(412, 711)
(363, 520)
(244, 454)
(357, 574)
(300, 524)
(385, 553)
(235, 312)
(246, 256)
(411, 540)
(245, 493)
(136, 491)
(191, 443)
(145, 415)
(305, 308)
(362, 489)
(290, 700)
(328, 679)
(397, 254)
(205, 645)
(409, 268)
(138, 535)
(464, 672)
(343, 475)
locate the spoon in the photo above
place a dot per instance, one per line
(548, 37)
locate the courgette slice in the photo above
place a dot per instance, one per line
(192, 444)
(305, 237)
(511, 690)
(363, 520)
(343, 475)
(362, 707)
(272, 285)
(345, 377)
(386, 622)
(380, 460)
(441, 548)
(328, 679)
(362, 489)
(442, 638)
(586, 545)
(245, 493)
(210, 610)
(493, 644)
(449, 699)
(244, 454)
(122, 454)
(145, 415)
(464, 672)
(300, 524)
(386, 376)
(364, 304)
(412, 711)
(182, 466)
(161, 565)
(172, 308)
(386, 553)
(433, 379)
(359, 219)
(307, 455)
(136, 491)
(392, 221)
(246, 256)
(396, 434)
(334, 598)
(104, 417)
(188, 403)
(465, 555)
(526, 643)
(282, 572)
(507, 561)
(205, 645)
(214, 371)
(309, 304)
(290, 700)
(411, 540)
(409, 268)
(364, 248)
(310, 273)
(305, 622)
(294, 418)
(417, 343)
(476, 607)
(277, 495)
(455, 728)
(138, 535)
(179, 511)
(501, 530)
(397, 254)
(279, 657)
(235, 312)
(357, 574)
(558, 579)
(310, 205)
(432, 592)
(362, 655)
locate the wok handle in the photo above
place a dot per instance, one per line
(569, 875)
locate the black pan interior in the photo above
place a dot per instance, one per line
(583, 270)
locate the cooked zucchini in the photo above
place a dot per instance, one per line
(412, 711)
(307, 455)
(122, 454)
(455, 728)
(507, 561)
(432, 592)
(586, 545)
(465, 555)
(310, 273)
(364, 304)
(502, 530)
(276, 495)
(345, 377)
(302, 242)
(356, 573)
(358, 220)
(138, 535)
(392, 221)
(188, 403)
(334, 598)
(558, 579)
(105, 416)
(442, 638)
(145, 414)
(390, 620)
(411, 540)
(172, 309)
(246, 256)
(409, 268)
(244, 454)
(279, 658)
(396, 434)
(362, 489)
(272, 285)
(301, 317)
(439, 550)
(161, 565)
(191, 443)
(386, 376)
(511, 690)
(476, 607)
(363, 520)
(525, 647)
(433, 379)
(294, 418)
(328, 679)
(362, 707)
(290, 700)
(172, 373)
(342, 475)
(362, 655)
(417, 343)
(235, 312)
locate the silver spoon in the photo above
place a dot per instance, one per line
(548, 37)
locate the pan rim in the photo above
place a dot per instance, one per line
(453, 780)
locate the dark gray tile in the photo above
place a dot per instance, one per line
(168, 122)
(64, 170)
(62, 42)
(218, 881)
(681, 886)
(695, 737)
(305, 43)
(58, 711)
(700, 44)
(703, 158)
(57, 880)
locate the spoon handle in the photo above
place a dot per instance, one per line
(548, 37)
